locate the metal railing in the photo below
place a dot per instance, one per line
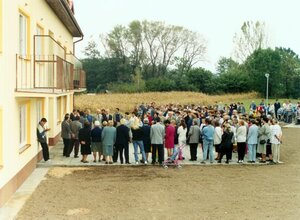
(50, 68)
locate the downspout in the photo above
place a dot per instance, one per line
(75, 43)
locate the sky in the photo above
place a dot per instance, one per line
(216, 20)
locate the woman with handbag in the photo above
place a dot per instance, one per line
(264, 133)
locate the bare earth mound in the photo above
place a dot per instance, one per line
(194, 192)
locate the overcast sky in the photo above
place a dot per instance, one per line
(216, 20)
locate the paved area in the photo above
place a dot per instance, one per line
(14, 205)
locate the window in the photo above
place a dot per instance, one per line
(39, 111)
(24, 34)
(1, 32)
(59, 112)
(39, 43)
(24, 137)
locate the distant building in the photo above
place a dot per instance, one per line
(39, 76)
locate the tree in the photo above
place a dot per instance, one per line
(153, 46)
(193, 51)
(226, 64)
(259, 63)
(91, 50)
(290, 64)
(202, 79)
(253, 36)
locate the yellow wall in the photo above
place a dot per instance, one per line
(1, 26)
(1, 135)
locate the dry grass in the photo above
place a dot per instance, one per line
(127, 102)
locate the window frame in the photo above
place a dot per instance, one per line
(24, 126)
(26, 41)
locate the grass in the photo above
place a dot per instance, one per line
(127, 102)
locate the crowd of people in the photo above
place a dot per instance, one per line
(217, 130)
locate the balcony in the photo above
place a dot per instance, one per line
(49, 70)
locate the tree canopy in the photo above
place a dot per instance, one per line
(154, 56)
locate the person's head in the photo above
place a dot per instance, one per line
(207, 121)
(136, 124)
(146, 121)
(167, 122)
(86, 124)
(265, 120)
(182, 123)
(227, 127)
(77, 118)
(43, 121)
(98, 111)
(67, 116)
(274, 121)
(195, 121)
(217, 123)
(117, 109)
(97, 123)
(110, 123)
(122, 121)
(104, 123)
(241, 122)
(157, 119)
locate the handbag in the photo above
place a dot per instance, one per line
(262, 141)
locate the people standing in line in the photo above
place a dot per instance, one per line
(146, 137)
(226, 143)
(241, 137)
(137, 140)
(122, 142)
(42, 138)
(75, 127)
(157, 134)
(208, 139)
(96, 145)
(66, 135)
(217, 138)
(194, 134)
(276, 138)
(264, 133)
(182, 133)
(108, 138)
(84, 137)
(252, 138)
(169, 138)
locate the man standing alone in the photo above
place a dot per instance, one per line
(42, 138)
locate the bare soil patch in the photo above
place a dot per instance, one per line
(193, 192)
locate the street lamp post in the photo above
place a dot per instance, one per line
(267, 92)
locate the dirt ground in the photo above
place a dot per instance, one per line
(193, 192)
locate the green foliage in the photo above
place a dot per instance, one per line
(154, 56)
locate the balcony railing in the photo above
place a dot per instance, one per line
(49, 69)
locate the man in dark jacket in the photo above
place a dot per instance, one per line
(122, 142)
(66, 135)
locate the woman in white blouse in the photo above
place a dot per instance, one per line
(241, 137)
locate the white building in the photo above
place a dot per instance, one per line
(39, 75)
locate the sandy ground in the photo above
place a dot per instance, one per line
(193, 192)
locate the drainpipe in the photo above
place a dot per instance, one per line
(75, 43)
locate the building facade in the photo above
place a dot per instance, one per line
(39, 76)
